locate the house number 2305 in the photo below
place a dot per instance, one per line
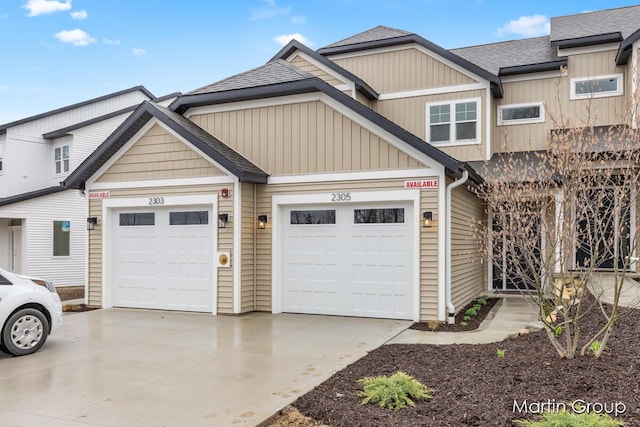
(340, 197)
(156, 200)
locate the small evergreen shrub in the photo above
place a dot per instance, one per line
(463, 323)
(570, 419)
(466, 318)
(395, 392)
(471, 312)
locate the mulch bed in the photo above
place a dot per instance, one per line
(472, 324)
(476, 388)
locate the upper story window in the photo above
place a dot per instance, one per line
(516, 114)
(61, 159)
(453, 122)
(596, 87)
(1, 165)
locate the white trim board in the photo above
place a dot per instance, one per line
(432, 91)
(352, 176)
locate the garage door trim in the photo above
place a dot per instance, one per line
(279, 202)
(111, 204)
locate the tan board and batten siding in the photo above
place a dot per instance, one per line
(403, 112)
(248, 248)
(403, 69)
(467, 269)
(159, 155)
(428, 242)
(305, 137)
(305, 65)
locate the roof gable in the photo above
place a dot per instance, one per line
(3, 128)
(374, 34)
(371, 42)
(295, 45)
(186, 129)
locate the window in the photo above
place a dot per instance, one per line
(133, 219)
(61, 159)
(61, 238)
(455, 122)
(313, 217)
(517, 114)
(1, 169)
(378, 216)
(596, 87)
(189, 218)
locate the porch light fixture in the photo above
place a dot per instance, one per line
(223, 220)
(92, 222)
(427, 219)
(263, 220)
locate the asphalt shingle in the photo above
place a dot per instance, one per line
(374, 34)
(275, 72)
(625, 20)
(511, 53)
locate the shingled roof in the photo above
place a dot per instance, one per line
(499, 58)
(215, 149)
(377, 33)
(604, 25)
(278, 71)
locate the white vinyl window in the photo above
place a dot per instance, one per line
(61, 159)
(61, 238)
(596, 87)
(517, 114)
(453, 122)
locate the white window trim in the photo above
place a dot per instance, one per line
(452, 122)
(539, 119)
(61, 147)
(617, 92)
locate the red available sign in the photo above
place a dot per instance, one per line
(424, 183)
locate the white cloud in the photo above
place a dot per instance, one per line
(283, 39)
(81, 14)
(138, 51)
(75, 37)
(298, 19)
(528, 26)
(111, 42)
(41, 7)
(270, 11)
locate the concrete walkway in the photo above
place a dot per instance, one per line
(604, 284)
(512, 314)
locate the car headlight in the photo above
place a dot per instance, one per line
(46, 284)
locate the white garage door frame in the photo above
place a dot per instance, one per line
(279, 202)
(109, 205)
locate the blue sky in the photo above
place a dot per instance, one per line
(59, 52)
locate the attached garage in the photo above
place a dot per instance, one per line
(163, 258)
(348, 260)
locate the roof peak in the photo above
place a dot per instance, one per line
(379, 32)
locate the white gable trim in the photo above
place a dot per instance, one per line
(154, 183)
(432, 91)
(133, 140)
(254, 103)
(534, 76)
(352, 176)
(406, 47)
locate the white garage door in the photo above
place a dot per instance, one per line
(349, 260)
(163, 258)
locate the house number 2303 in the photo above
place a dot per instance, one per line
(156, 200)
(340, 197)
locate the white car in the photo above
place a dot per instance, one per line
(30, 310)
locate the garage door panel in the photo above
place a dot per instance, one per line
(167, 265)
(359, 265)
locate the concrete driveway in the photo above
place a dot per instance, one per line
(119, 367)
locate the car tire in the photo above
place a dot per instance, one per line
(25, 332)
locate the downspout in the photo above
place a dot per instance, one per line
(451, 317)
